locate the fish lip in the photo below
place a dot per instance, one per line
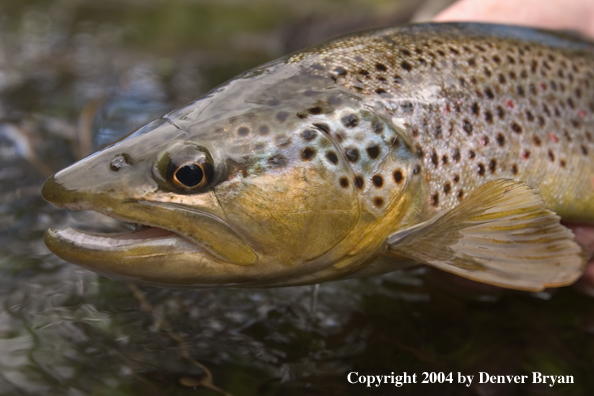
(103, 241)
(93, 241)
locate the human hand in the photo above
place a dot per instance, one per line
(577, 15)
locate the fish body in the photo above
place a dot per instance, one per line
(447, 144)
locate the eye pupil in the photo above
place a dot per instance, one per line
(190, 175)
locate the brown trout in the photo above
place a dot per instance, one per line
(455, 145)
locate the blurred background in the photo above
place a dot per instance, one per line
(78, 74)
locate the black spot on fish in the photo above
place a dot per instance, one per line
(472, 62)
(339, 136)
(380, 91)
(377, 180)
(529, 115)
(526, 154)
(584, 150)
(471, 154)
(475, 109)
(500, 139)
(378, 201)
(492, 165)
(460, 195)
(488, 116)
(489, 93)
(309, 134)
(435, 200)
(381, 67)
(416, 169)
(332, 157)
(467, 127)
(516, 127)
(537, 140)
(434, 158)
(308, 153)
(364, 72)
(264, 130)
(514, 169)
(438, 132)
(419, 151)
(282, 116)
(352, 154)
(377, 126)
(456, 178)
(322, 127)
(446, 188)
(359, 182)
(540, 120)
(243, 131)
(373, 151)
(520, 90)
(398, 79)
(481, 169)
(344, 182)
(277, 161)
(444, 159)
(350, 120)
(456, 155)
(282, 140)
(500, 112)
(406, 66)
(314, 110)
(562, 163)
(487, 72)
(398, 176)
(341, 71)
(551, 156)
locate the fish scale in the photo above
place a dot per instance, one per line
(479, 107)
(454, 145)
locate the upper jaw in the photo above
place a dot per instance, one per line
(194, 226)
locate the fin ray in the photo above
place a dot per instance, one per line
(501, 234)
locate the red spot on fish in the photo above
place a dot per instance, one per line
(543, 86)
(447, 109)
(554, 138)
(509, 103)
(582, 113)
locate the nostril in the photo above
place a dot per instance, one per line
(119, 161)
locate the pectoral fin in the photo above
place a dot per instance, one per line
(501, 234)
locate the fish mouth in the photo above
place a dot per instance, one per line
(173, 245)
(150, 255)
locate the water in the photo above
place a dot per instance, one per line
(77, 75)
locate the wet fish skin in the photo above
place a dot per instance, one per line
(329, 162)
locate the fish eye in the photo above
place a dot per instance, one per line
(190, 175)
(185, 167)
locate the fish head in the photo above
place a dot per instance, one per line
(246, 186)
